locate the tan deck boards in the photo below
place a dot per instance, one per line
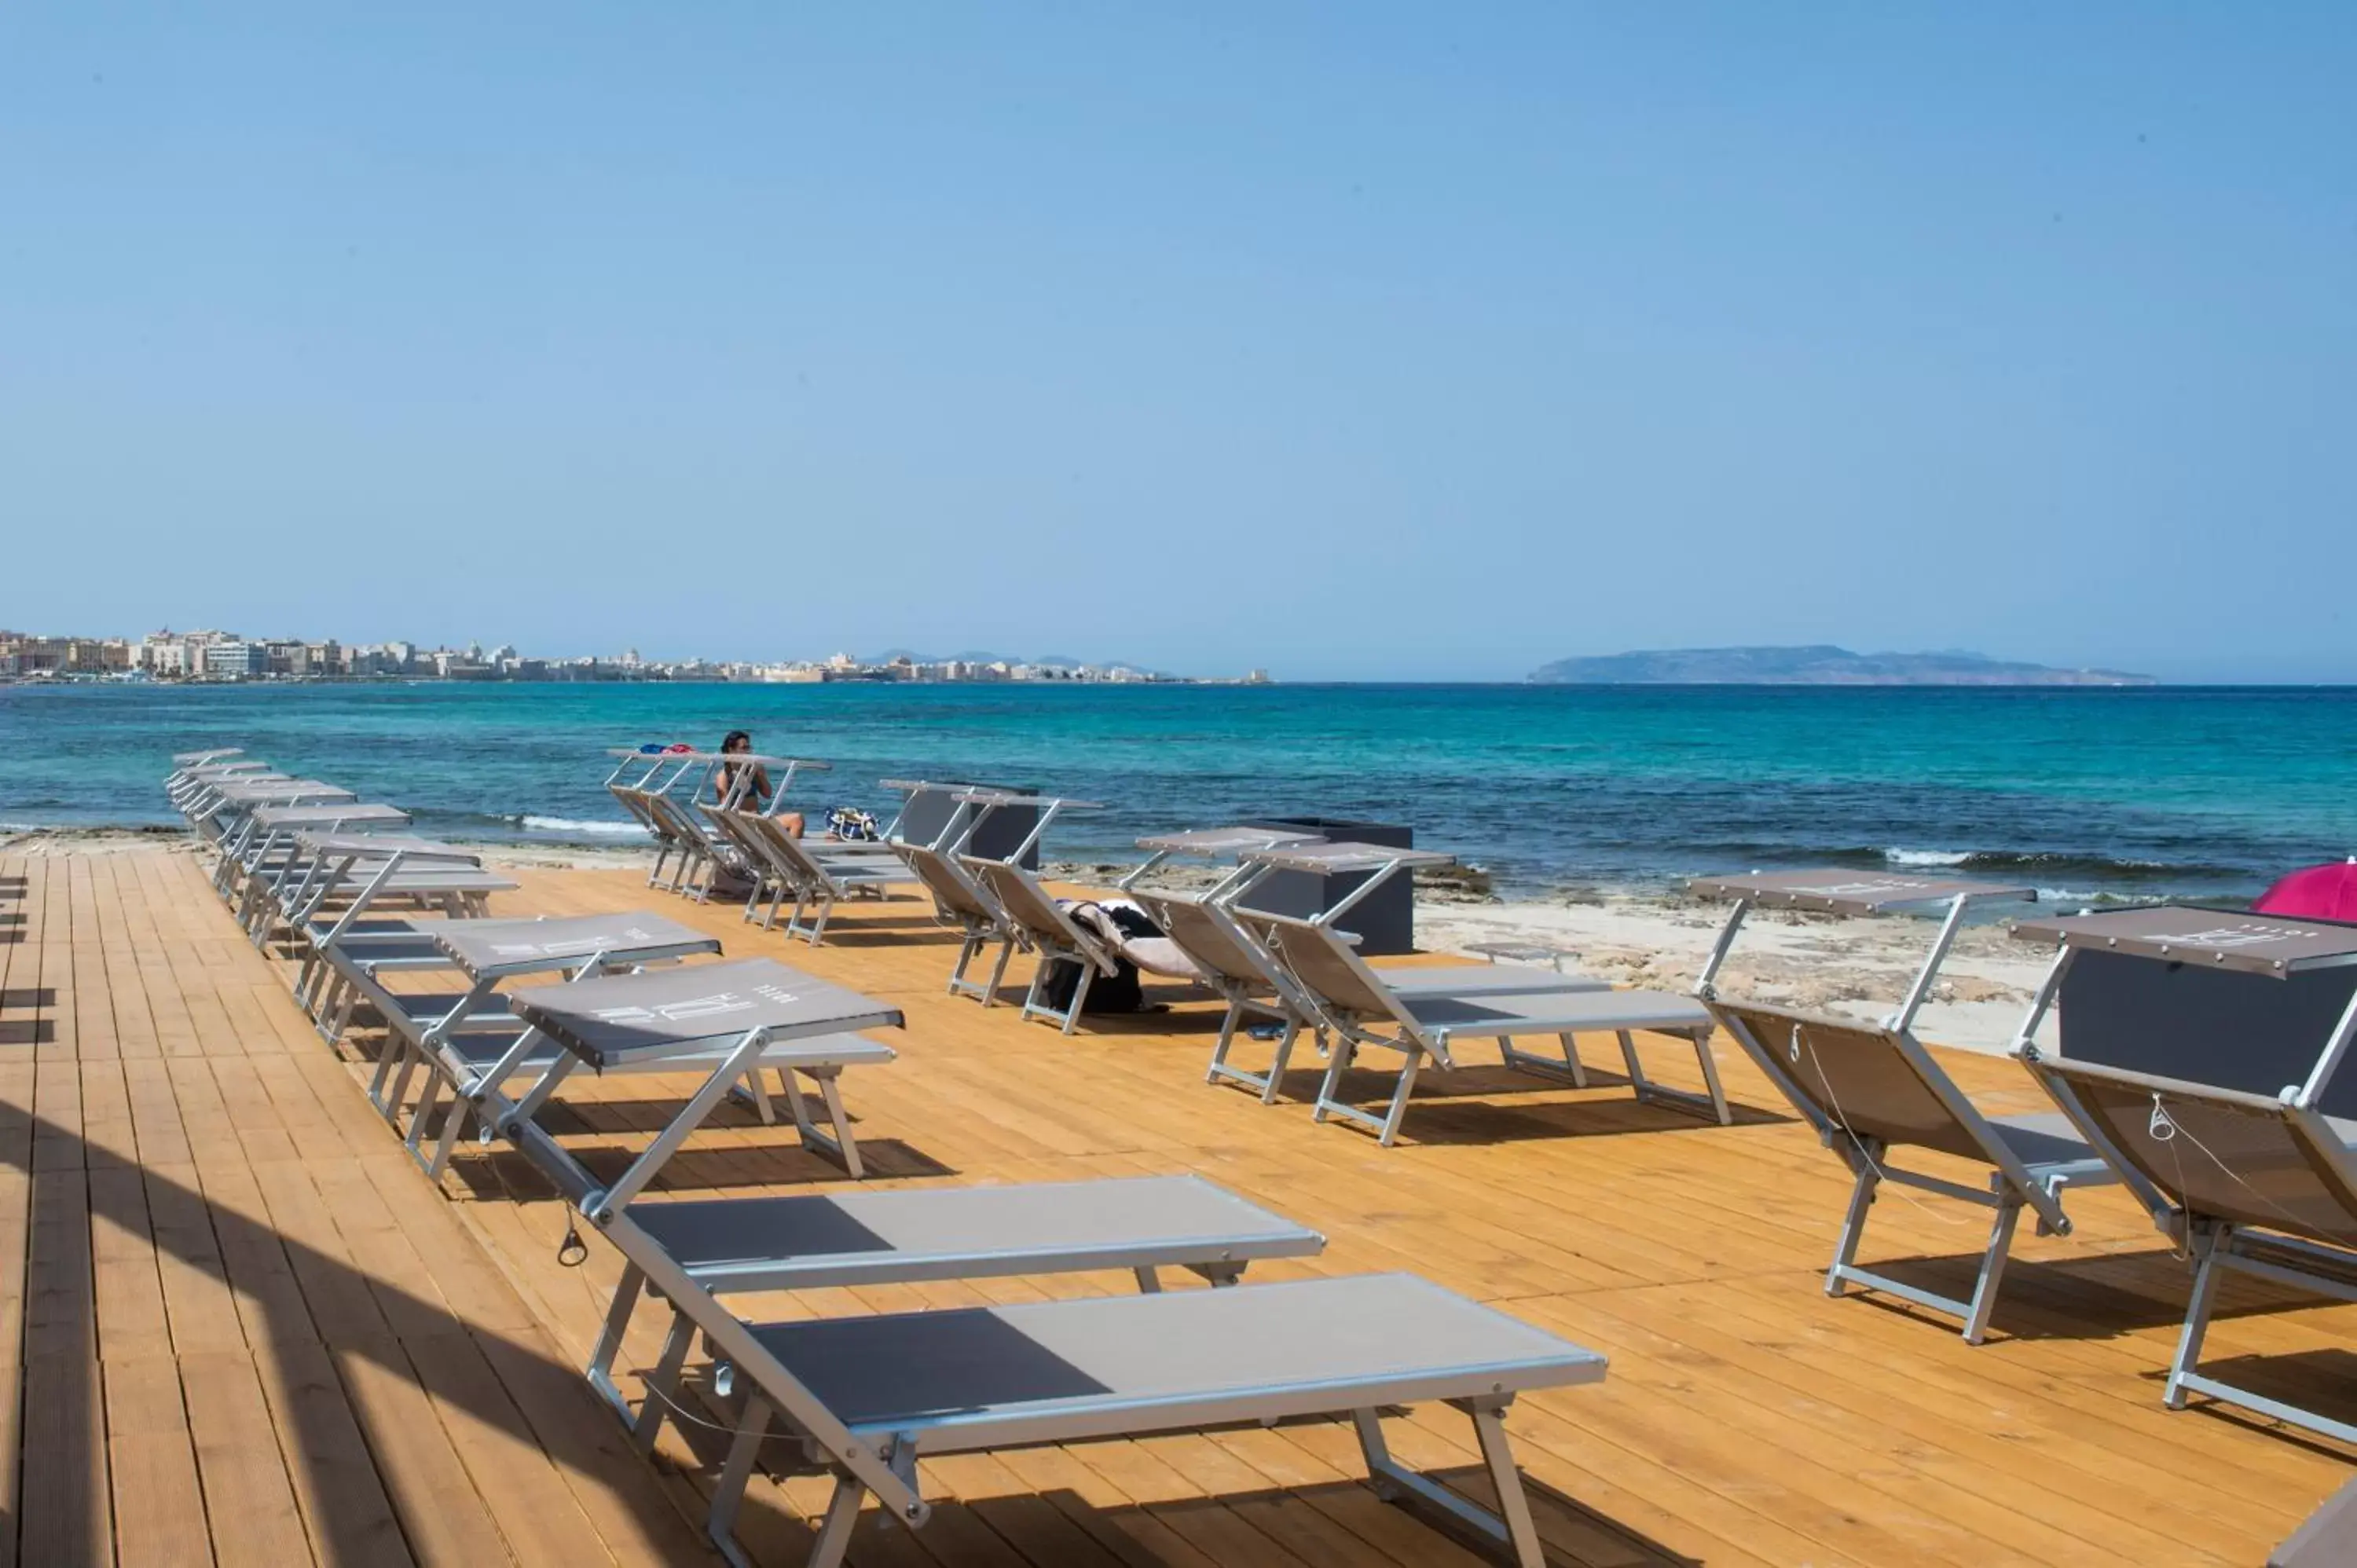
(249, 1330)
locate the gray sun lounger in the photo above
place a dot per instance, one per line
(1048, 931)
(454, 1039)
(734, 1018)
(874, 1397)
(1361, 1009)
(1869, 1089)
(814, 1241)
(813, 872)
(1242, 972)
(2253, 1184)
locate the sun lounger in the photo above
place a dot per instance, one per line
(1050, 932)
(1872, 1089)
(1361, 1009)
(2254, 1184)
(873, 1397)
(959, 897)
(815, 874)
(452, 1040)
(734, 1017)
(264, 841)
(2200, 1053)
(1210, 843)
(813, 1240)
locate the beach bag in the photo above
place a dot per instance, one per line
(1119, 992)
(852, 824)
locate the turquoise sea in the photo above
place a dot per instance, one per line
(2201, 790)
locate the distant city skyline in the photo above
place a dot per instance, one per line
(1370, 342)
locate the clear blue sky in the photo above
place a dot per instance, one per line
(1350, 341)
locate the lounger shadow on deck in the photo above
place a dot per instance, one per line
(2304, 1377)
(35, 997)
(1061, 1526)
(1484, 1105)
(309, 1302)
(2082, 1297)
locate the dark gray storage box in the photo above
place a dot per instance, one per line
(1385, 923)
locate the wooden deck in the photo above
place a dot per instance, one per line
(251, 1332)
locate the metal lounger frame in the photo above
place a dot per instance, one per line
(2215, 1243)
(2014, 1183)
(1321, 962)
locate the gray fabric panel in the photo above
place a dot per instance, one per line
(2226, 1027)
(2044, 1138)
(925, 1223)
(2234, 1161)
(1485, 979)
(1567, 1011)
(1310, 1335)
(1856, 1077)
(667, 1011)
(487, 944)
(1322, 960)
(1204, 940)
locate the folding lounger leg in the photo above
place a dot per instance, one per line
(1570, 1067)
(753, 1090)
(2197, 1320)
(2009, 1215)
(835, 1529)
(1861, 1198)
(1330, 1091)
(998, 972)
(609, 1337)
(818, 921)
(1408, 1071)
(840, 1143)
(662, 1383)
(728, 1495)
(452, 1126)
(1268, 1090)
(1513, 1527)
(1080, 995)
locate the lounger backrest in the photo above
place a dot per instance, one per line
(949, 886)
(1320, 959)
(631, 798)
(1205, 938)
(1857, 1077)
(2219, 1154)
(1031, 906)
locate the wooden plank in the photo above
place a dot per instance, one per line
(159, 1509)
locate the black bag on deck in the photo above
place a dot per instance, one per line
(1120, 992)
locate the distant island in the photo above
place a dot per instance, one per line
(1817, 666)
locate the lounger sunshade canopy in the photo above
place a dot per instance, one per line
(627, 1018)
(485, 948)
(1318, 856)
(1842, 891)
(2256, 944)
(1222, 841)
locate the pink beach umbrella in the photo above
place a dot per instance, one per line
(2327, 892)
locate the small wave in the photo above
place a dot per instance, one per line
(1928, 856)
(570, 826)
